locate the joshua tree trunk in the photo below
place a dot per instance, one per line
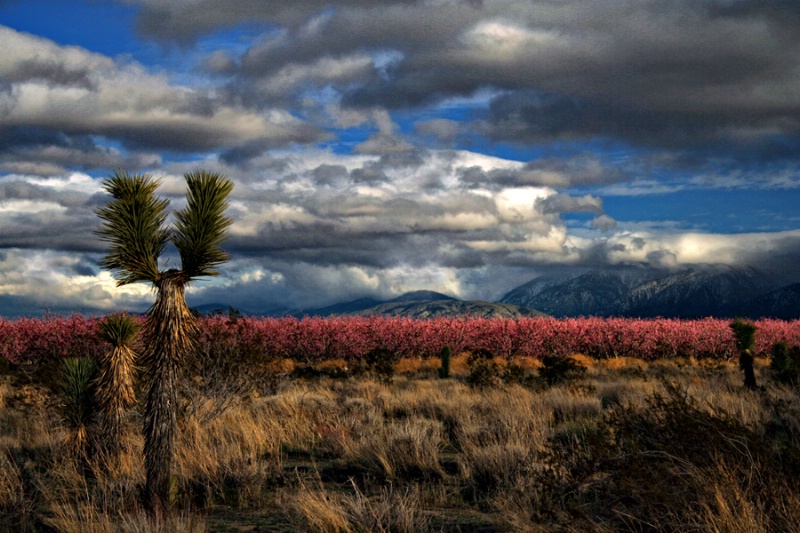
(169, 334)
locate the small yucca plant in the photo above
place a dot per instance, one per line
(77, 405)
(745, 337)
(444, 356)
(744, 334)
(115, 391)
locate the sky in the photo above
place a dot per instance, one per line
(383, 146)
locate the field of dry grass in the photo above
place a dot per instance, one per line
(628, 446)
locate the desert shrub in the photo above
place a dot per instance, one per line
(556, 369)
(483, 370)
(380, 363)
(515, 373)
(228, 365)
(661, 467)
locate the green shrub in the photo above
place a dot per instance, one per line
(744, 334)
(785, 363)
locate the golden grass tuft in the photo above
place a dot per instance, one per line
(459, 364)
(418, 365)
(528, 363)
(584, 360)
(332, 366)
(617, 363)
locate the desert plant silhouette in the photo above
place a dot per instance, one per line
(134, 226)
(744, 335)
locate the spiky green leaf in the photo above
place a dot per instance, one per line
(119, 329)
(133, 226)
(202, 226)
(77, 404)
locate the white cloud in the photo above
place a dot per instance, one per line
(52, 279)
(688, 248)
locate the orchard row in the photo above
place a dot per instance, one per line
(348, 338)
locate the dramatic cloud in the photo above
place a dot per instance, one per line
(384, 146)
(56, 100)
(664, 72)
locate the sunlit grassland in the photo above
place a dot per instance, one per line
(676, 445)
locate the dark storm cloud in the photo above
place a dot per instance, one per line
(563, 172)
(443, 130)
(54, 213)
(564, 203)
(526, 116)
(51, 72)
(654, 72)
(21, 190)
(185, 21)
(41, 151)
(329, 174)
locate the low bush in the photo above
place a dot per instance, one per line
(785, 364)
(556, 369)
(483, 370)
(674, 463)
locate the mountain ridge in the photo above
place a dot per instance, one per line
(692, 292)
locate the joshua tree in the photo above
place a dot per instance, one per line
(133, 225)
(744, 336)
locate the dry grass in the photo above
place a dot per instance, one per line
(422, 454)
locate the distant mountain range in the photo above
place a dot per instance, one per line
(696, 292)
(425, 304)
(417, 304)
(718, 290)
